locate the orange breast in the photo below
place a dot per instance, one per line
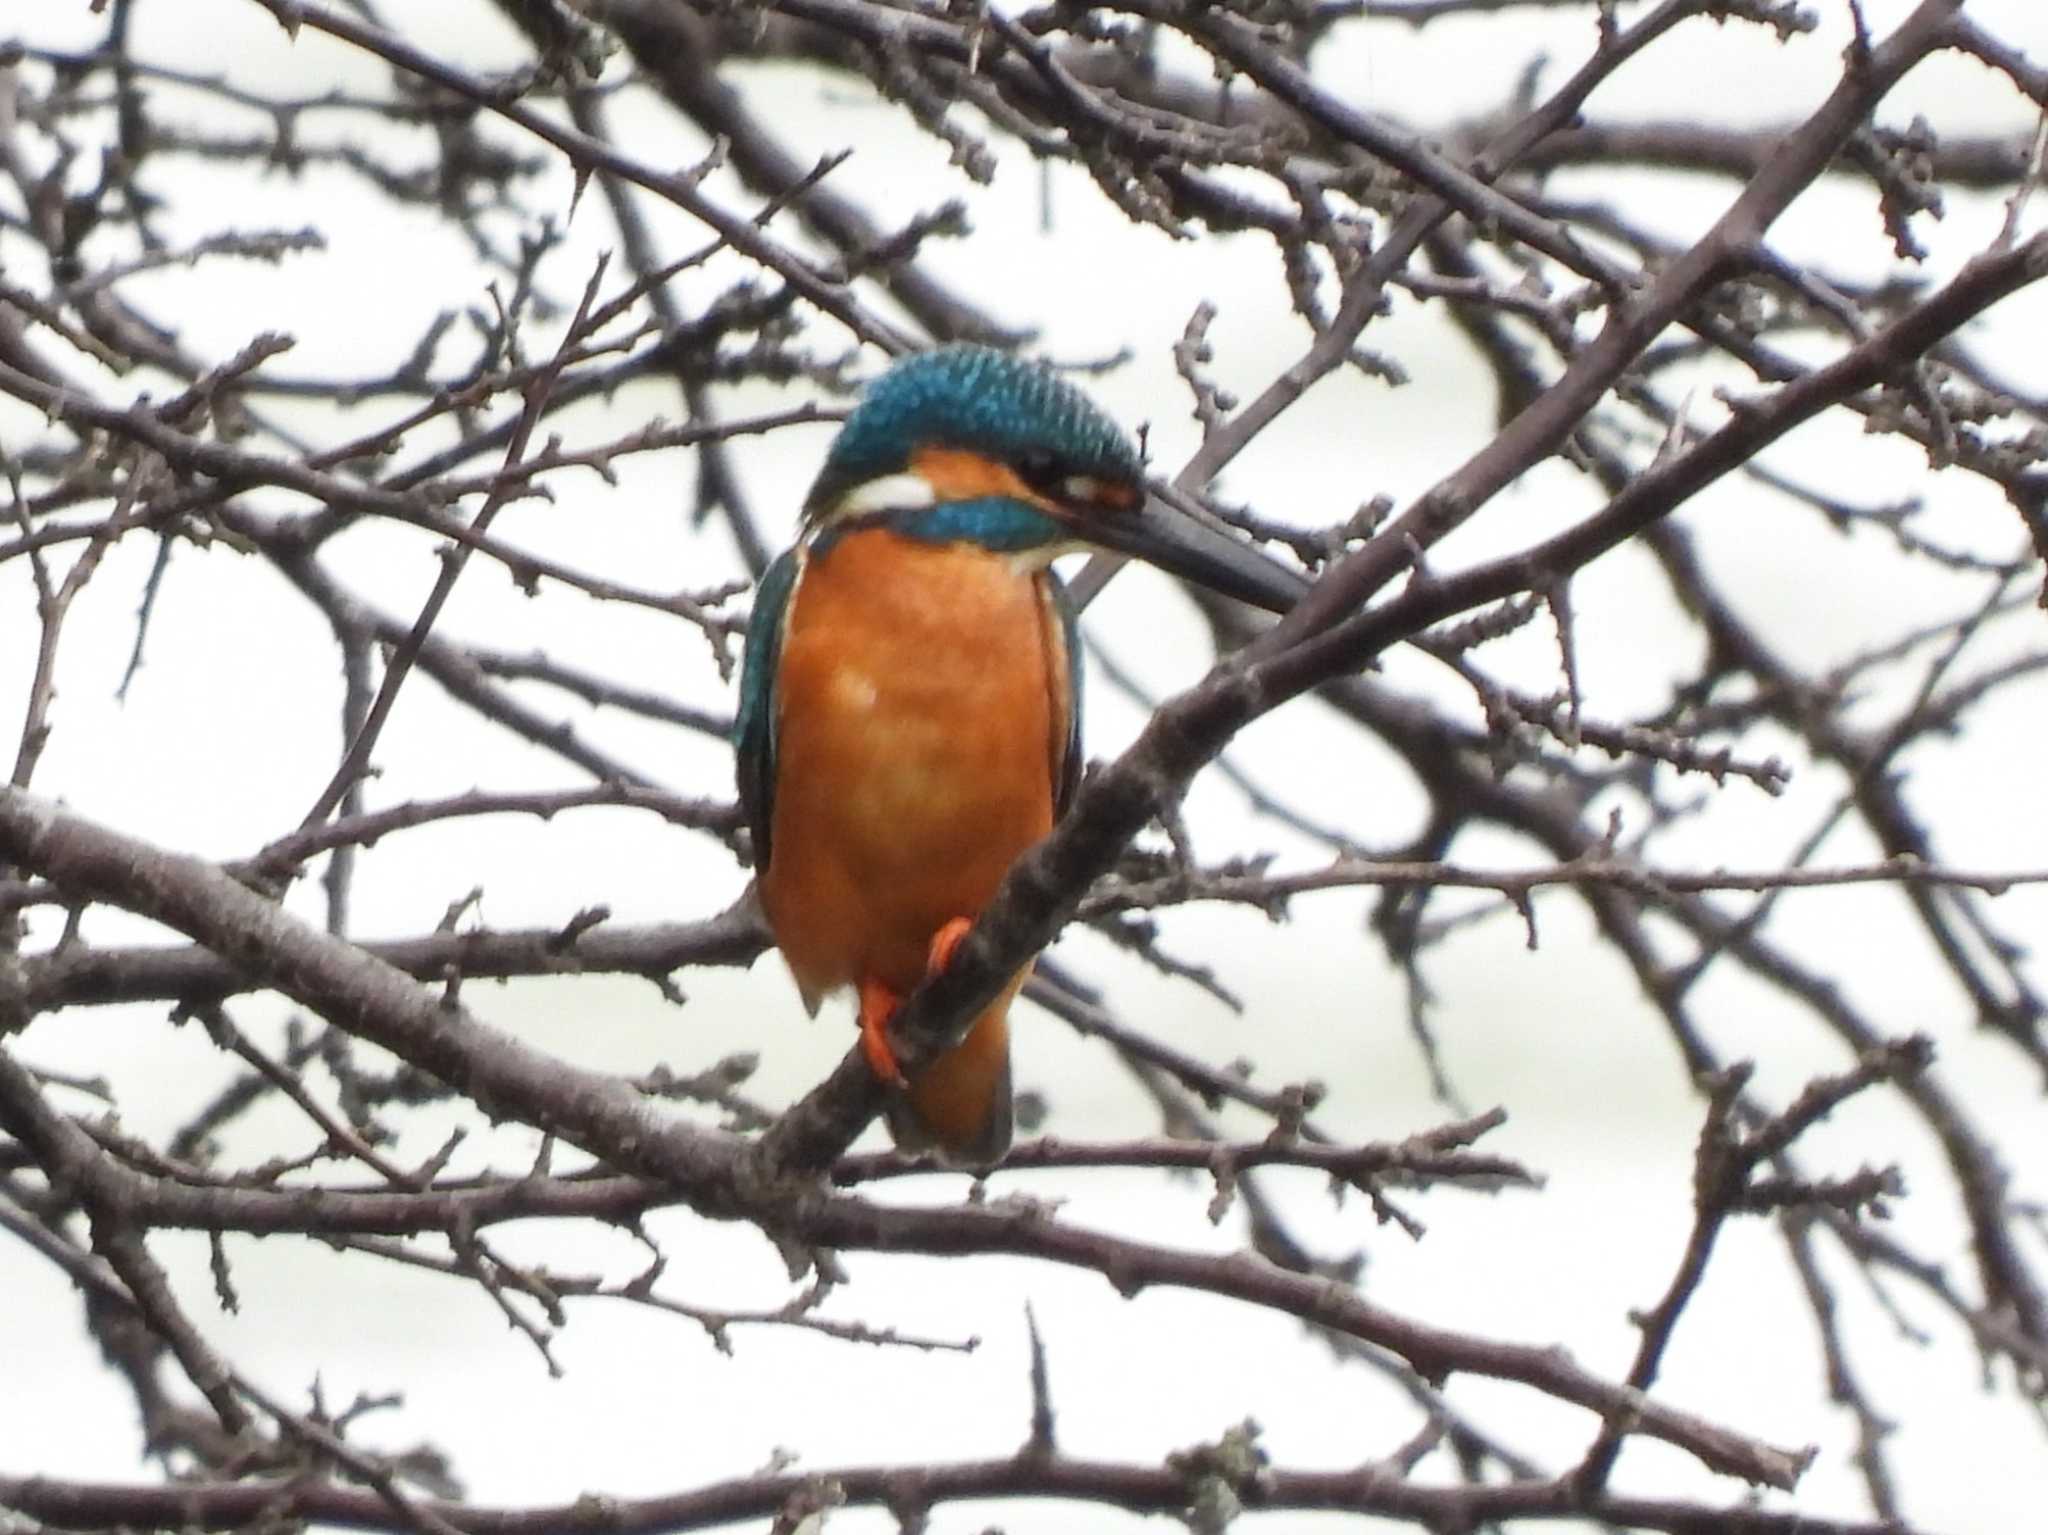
(921, 707)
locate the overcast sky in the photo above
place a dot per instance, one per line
(221, 743)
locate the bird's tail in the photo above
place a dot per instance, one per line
(959, 1106)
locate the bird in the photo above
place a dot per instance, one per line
(909, 717)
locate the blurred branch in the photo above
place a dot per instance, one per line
(1375, 1489)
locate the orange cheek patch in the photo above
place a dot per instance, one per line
(957, 475)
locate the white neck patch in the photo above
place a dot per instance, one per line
(904, 492)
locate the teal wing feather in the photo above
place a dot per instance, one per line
(1068, 769)
(753, 730)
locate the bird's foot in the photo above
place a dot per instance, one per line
(878, 1006)
(879, 1003)
(946, 943)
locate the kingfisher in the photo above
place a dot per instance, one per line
(909, 718)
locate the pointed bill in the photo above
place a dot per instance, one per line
(1160, 535)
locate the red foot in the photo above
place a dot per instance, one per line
(945, 943)
(878, 1005)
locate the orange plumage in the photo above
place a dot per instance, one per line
(922, 715)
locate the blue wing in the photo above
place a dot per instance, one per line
(753, 730)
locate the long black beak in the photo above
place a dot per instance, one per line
(1161, 535)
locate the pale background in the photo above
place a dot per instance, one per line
(222, 742)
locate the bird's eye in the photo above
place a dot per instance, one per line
(1040, 470)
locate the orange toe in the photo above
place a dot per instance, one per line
(945, 943)
(878, 1006)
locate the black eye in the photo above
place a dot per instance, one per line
(1040, 469)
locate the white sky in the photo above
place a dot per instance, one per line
(222, 743)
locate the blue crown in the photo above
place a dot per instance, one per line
(979, 399)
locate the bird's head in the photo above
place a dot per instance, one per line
(969, 444)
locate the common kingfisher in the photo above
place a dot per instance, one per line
(909, 717)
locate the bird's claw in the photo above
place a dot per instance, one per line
(878, 1006)
(945, 944)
